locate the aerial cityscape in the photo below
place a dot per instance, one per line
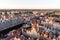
(30, 24)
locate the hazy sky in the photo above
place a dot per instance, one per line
(29, 4)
